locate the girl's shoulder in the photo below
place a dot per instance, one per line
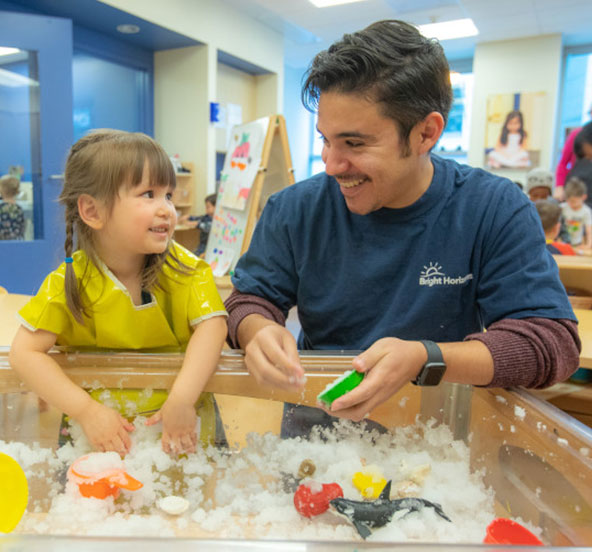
(183, 264)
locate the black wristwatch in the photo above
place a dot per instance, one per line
(433, 370)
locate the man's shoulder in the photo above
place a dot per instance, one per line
(305, 194)
(479, 182)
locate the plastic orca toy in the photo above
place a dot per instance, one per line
(367, 515)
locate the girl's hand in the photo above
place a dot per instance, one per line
(178, 426)
(106, 429)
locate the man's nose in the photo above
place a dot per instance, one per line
(335, 161)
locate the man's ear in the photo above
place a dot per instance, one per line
(429, 131)
(91, 211)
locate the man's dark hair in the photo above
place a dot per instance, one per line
(583, 137)
(391, 63)
(549, 212)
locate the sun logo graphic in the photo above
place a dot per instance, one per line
(431, 271)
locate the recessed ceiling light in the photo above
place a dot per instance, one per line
(447, 30)
(327, 3)
(128, 29)
(7, 51)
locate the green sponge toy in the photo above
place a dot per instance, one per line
(342, 385)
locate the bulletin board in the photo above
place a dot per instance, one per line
(257, 164)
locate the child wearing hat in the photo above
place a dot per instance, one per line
(539, 184)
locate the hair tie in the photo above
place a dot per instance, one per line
(69, 259)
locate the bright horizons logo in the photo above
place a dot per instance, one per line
(432, 275)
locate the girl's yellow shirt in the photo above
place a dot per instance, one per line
(114, 322)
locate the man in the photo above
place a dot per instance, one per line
(392, 245)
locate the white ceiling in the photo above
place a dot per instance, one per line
(308, 29)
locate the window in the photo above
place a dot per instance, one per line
(454, 141)
(576, 94)
(315, 163)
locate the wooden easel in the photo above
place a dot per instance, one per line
(276, 159)
(274, 173)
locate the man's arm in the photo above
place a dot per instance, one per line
(271, 353)
(531, 352)
(239, 306)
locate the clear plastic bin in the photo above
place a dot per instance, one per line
(537, 459)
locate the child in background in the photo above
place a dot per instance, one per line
(12, 217)
(511, 149)
(577, 215)
(539, 184)
(550, 214)
(126, 285)
(204, 223)
(583, 170)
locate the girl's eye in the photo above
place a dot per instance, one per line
(148, 193)
(169, 196)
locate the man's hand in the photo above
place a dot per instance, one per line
(271, 356)
(389, 364)
(106, 429)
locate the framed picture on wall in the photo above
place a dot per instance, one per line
(514, 130)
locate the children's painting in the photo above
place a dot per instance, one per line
(242, 163)
(514, 131)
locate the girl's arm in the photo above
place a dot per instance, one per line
(200, 362)
(105, 428)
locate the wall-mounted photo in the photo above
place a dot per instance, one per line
(514, 130)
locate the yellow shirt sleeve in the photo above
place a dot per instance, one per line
(48, 310)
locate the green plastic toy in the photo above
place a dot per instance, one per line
(342, 385)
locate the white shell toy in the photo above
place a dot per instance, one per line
(174, 505)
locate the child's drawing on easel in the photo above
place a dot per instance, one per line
(257, 165)
(241, 164)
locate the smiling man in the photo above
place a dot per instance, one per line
(395, 251)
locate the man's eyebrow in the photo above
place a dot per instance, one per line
(351, 134)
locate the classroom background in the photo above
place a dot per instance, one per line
(184, 71)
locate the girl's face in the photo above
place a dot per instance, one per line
(142, 220)
(514, 125)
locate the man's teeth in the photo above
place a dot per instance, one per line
(351, 183)
(160, 229)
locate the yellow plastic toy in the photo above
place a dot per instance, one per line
(14, 493)
(369, 482)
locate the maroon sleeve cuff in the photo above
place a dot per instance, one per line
(240, 305)
(531, 352)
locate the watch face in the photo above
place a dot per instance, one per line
(432, 374)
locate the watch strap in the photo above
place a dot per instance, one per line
(433, 370)
(434, 352)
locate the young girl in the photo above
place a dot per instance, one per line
(127, 285)
(511, 148)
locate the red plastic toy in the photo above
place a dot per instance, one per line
(507, 531)
(310, 500)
